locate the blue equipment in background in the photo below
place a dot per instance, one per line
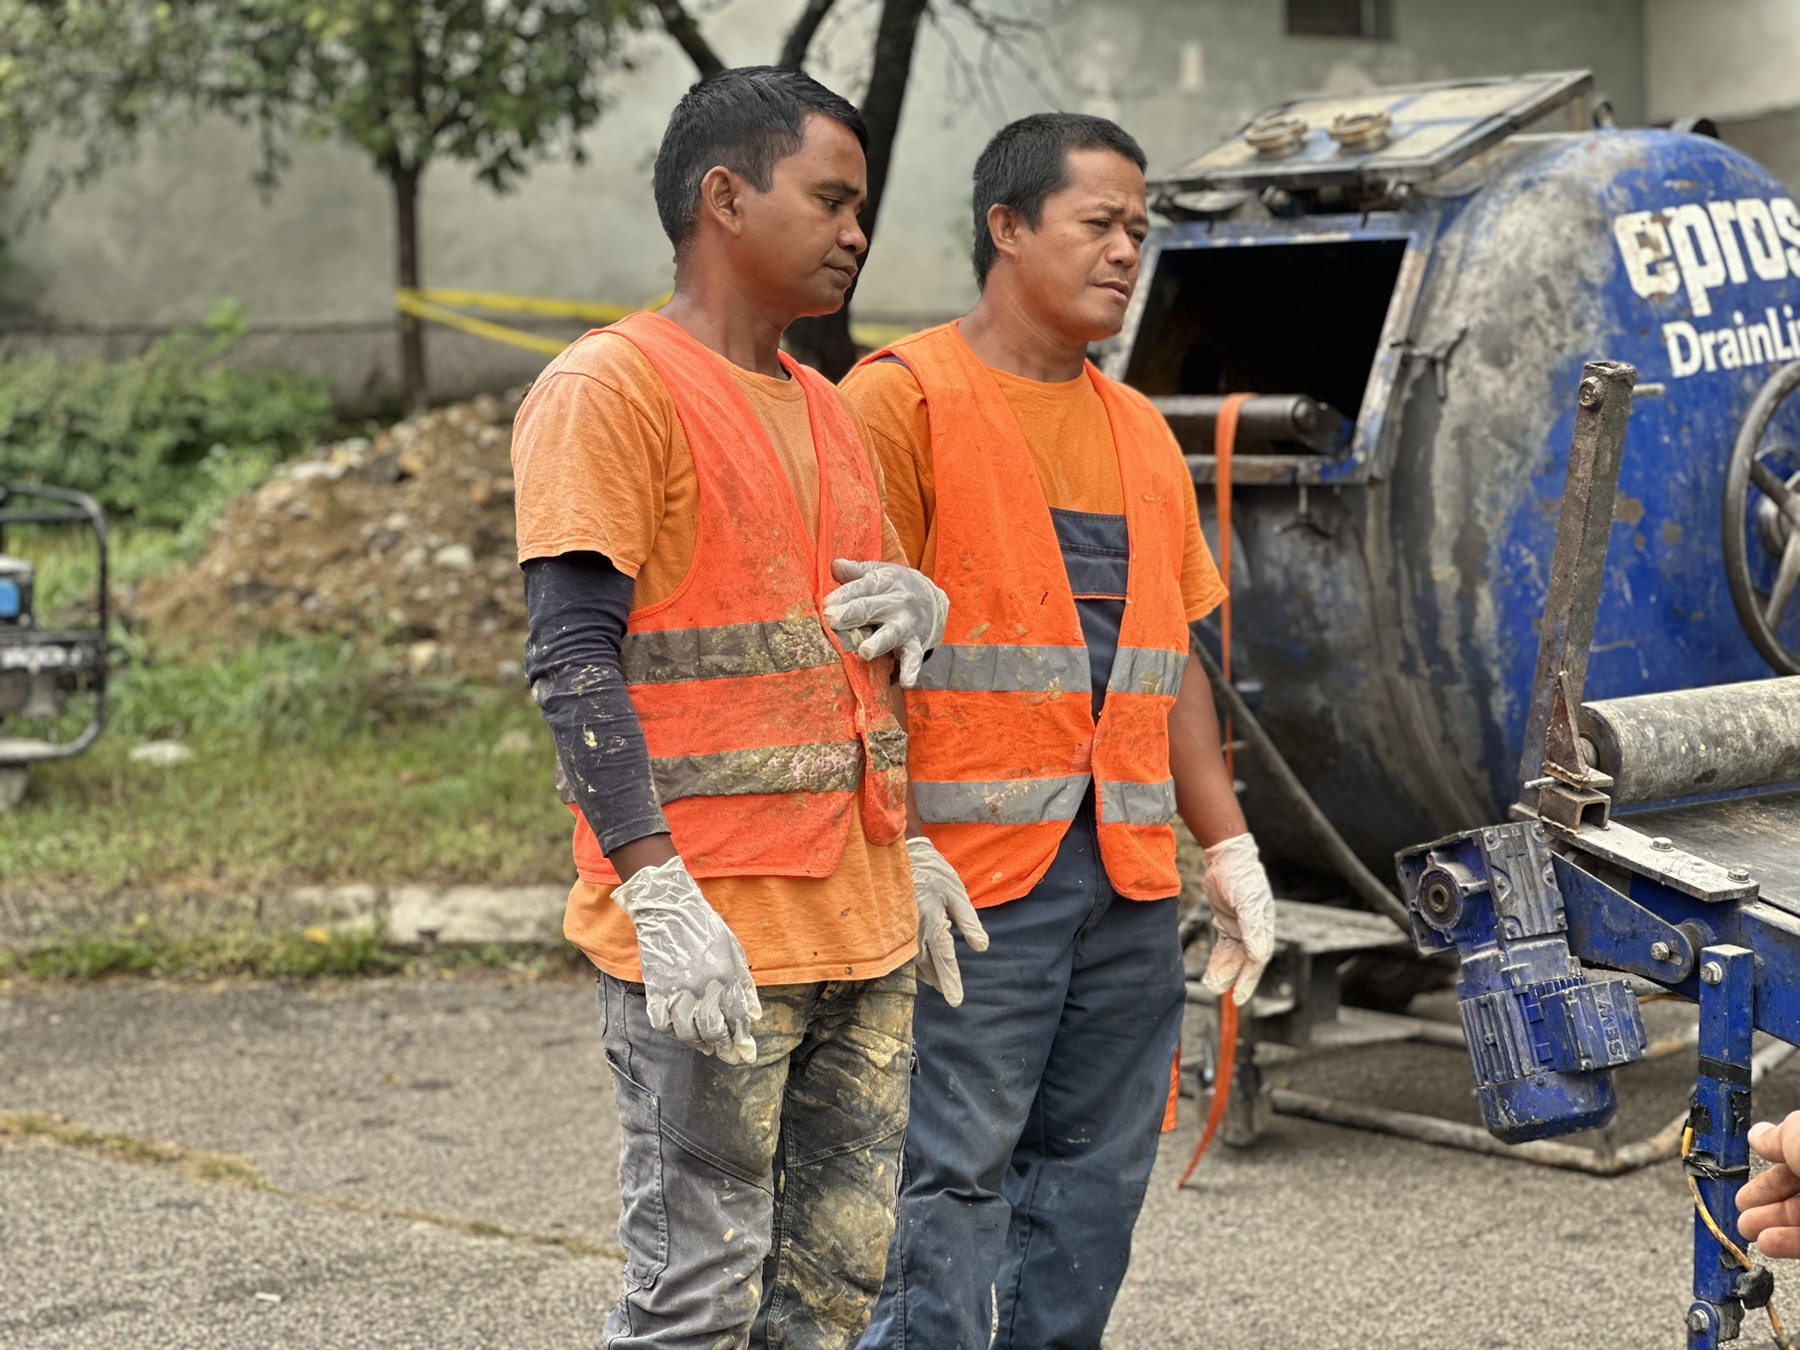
(1411, 279)
(1486, 597)
(42, 665)
(1543, 1038)
(1697, 892)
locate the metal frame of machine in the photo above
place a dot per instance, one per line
(44, 661)
(1395, 137)
(1667, 895)
(1358, 457)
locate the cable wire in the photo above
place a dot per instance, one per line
(1743, 1259)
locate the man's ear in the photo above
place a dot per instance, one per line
(721, 196)
(1005, 225)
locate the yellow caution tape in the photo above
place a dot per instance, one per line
(410, 303)
(875, 336)
(438, 305)
(542, 306)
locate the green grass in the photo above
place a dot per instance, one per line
(239, 950)
(244, 948)
(310, 767)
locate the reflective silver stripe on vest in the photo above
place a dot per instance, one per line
(1016, 801)
(1137, 803)
(1146, 670)
(728, 650)
(887, 749)
(1010, 670)
(832, 766)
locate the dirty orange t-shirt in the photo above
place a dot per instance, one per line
(1070, 437)
(602, 466)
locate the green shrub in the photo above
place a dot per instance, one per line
(164, 436)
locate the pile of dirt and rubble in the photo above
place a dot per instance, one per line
(404, 543)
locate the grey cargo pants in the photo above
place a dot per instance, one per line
(758, 1200)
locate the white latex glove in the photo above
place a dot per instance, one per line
(906, 611)
(1243, 912)
(697, 984)
(943, 900)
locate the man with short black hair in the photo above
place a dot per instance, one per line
(1054, 733)
(687, 496)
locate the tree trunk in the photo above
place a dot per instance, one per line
(405, 179)
(680, 25)
(800, 36)
(824, 343)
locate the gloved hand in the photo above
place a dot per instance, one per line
(1243, 912)
(697, 984)
(907, 612)
(943, 900)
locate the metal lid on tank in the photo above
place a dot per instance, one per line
(1381, 137)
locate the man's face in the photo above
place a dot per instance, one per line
(1076, 271)
(799, 242)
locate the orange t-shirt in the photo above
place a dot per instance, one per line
(602, 466)
(1070, 437)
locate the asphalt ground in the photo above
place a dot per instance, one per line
(432, 1163)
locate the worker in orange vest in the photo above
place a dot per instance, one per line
(689, 499)
(1055, 732)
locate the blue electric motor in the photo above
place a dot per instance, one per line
(1412, 280)
(1543, 1037)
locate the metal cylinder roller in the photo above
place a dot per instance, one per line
(1696, 742)
(1304, 421)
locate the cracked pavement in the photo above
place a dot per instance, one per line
(433, 1163)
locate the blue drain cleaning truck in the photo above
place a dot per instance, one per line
(1410, 281)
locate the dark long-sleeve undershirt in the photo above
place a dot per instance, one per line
(576, 604)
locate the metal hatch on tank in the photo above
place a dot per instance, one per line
(1413, 279)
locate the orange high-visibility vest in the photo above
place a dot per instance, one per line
(763, 732)
(1003, 739)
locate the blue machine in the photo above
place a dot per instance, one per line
(1697, 891)
(1412, 280)
(41, 666)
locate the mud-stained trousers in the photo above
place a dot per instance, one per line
(757, 1201)
(1035, 1116)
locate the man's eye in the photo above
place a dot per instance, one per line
(831, 203)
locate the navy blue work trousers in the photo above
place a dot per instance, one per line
(1035, 1115)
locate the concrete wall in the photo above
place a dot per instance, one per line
(1731, 59)
(157, 240)
(1735, 61)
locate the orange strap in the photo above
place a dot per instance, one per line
(1170, 1120)
(1223, 1070)
(1224, 439)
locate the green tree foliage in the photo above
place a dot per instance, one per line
(495, 84)
(160, 437)
(92, 70)
(491, 83)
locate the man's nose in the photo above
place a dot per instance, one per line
(852, 238)
(1122, 249)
